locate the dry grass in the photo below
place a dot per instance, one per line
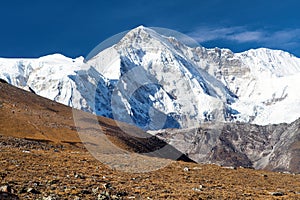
(71, 172)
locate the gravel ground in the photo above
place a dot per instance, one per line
(44, 170)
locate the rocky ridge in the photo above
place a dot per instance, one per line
(272, 147)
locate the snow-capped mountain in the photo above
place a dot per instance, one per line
(265, 82)
(155, 82)
(47, 76)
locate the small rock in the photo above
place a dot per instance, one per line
(79, 176)
(247, 195)
(86, 192)
(264, 175)
(197, 168)
(3, 175)
(95, 190)
(197, 189)
(186, 169)
(122, 194)
(107, 185)
(52, 188)
(5, 188)
(48, 198)
(54, 181)
(35, 184)
(114, 197)
(33, 191)
(276, 193)
(23, 190)
(73, 187)
(229, 167)
(104, 196)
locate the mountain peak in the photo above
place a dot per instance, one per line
(139, 34)
(277, 62)
(141, 28)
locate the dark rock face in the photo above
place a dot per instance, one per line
(271, 147)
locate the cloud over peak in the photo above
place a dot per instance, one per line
(281, 39)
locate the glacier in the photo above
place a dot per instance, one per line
(154, 81)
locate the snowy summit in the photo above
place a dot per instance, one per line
(155, 82)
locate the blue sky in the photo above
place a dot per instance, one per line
(35, 28)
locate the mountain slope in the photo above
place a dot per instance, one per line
(272, 147)
(26, 115)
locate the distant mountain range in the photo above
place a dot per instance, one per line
(157, 82)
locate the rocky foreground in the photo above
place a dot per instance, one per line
(44, 170)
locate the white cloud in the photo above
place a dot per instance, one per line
(247, 36)
(284, 36)
(287, 38)
(204, 34)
